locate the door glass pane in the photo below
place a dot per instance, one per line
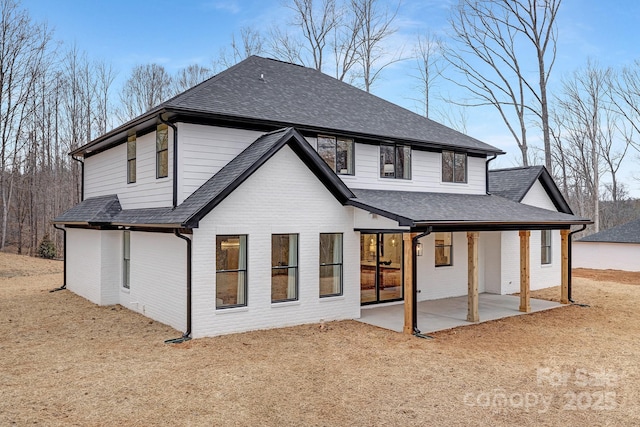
(390, 279)
(368, 257)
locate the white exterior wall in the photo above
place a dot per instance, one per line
(283, 196)
(111, 266)
(606, 256)
(451, 281)
(106, 173)
(204, 150)
(537, 196)
(365, 220)
(426, 173)
(158, 281)
(84, 263)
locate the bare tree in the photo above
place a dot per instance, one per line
(23, 46)
(190, 76)
(316, 25)
(105, 76)
(375, 26)
(148, 86)
(284, 46)
(250, 42)
(593, 142)
(429, 64)
(493, 41)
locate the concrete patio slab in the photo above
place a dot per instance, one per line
(447, 313)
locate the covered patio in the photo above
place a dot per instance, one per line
(447, 313)
(427, 213)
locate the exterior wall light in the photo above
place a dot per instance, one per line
(419, 249)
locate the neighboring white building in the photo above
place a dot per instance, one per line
(274, 195)
(617, 248)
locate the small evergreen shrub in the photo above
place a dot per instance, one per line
(46, 249)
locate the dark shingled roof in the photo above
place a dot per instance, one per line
(515, 183)
(94, 210)
(624, 233)
(212, 192)
(267, 91)
(458, 210)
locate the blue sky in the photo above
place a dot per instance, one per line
(176, 34)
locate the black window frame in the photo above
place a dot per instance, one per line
(443, 246)
(545, 245)
(351, 166)
(245, 270)
(162, 151)
(333, 264)
(281, 266)
(126, 260)
(131, 159)
(453, 179)
(396, 148)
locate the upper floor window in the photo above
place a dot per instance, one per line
(545, 247)
(454, 167)
(162, 151)
(338, 153)
(444, 249)
(395, 161)
(284, 267)
(131, 159)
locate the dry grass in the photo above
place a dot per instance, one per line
(66, 361)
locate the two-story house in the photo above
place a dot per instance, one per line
(274, 195)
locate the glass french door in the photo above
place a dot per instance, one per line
(381, 272)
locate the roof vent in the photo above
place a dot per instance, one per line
(262, 76)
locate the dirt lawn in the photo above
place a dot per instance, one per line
(65, 361)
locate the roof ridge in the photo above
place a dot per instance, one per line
(516, 168)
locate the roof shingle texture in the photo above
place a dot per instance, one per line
(625, 233)
(513, 183)
(292, 95)
(459, 208)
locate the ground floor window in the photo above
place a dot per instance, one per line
(444, 249)
(330, 264)
(126, 260)
(284, 267)
(231, 271)
(545, 246)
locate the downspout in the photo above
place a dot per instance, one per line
(175, 158)
(486, 172)
(81, 177)
(569, 266)
(187, 335)
(64, 259)
(414, 279)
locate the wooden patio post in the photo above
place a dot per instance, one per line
(525, 304)
(564, 290)
(472, 266)
(408, 282)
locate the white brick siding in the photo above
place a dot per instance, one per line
(283, 196)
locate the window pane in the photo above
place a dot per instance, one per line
(403, 156)
(327, 150)
(131, 171)
(330, 264)
(447, 166)
(163, 164)
(460, 168)
(345, 157)
(231, 252)
(284, 272)
(131, 148)
(230, 289)
(162, 138)
(443, 249)
(387, 161)
(126, 261)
